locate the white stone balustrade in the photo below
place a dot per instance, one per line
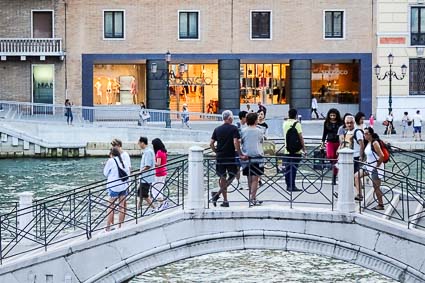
(31, 47)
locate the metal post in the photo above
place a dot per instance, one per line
(167, 116)
(390, 97)
(346, 181)
(195, 197)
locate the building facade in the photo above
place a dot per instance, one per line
(401, 32)
(223, 54)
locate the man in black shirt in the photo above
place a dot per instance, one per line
(224, 142)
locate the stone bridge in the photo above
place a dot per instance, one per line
(374, 243)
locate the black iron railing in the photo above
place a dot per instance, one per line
(83, 212)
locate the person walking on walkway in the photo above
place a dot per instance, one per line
(292, 158)
(314, 107)
(117, 188)
(252, 146)
(374, 167)
(147, 176)
(160, 173)
(225, 140)
(330, 134)
(417, 125)
(405, 123)
(68, 112)
(185, 116)
(371, 120)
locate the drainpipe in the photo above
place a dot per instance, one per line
(195, 197)
(345, 181)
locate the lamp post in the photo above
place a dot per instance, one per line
(390, 74)
(154, 69)
(167, 117)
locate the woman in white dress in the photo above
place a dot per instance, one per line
(374, 167)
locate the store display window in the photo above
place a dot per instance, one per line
(336, 83)
(42, 84)
(195, 85)
(263, 82)
(119, 84)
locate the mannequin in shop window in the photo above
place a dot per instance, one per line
(108, 91)
(133, 90)
(116, 91)
(98, 86)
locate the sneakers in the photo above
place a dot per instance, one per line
(255, 202)
(164, 205)
(225, 204)
(378, 207)
(358, 198)
(214, 197)
(294, 189)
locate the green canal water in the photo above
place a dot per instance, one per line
(47, 177)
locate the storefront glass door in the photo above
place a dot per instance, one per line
(43, 86)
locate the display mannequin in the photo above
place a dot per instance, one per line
(98, 87)
(116, 91)
(133, 90)
(108, 91)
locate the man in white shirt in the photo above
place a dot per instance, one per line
(417, 125)
(124, 155)
(353, 139)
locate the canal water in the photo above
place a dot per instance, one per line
(46, 177)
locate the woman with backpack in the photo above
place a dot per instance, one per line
(330, 134)
(374, 167)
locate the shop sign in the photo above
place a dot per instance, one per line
(332, 72)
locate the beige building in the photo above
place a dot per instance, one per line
(223, 54)
(401, 32)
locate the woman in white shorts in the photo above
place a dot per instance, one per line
(374, 167)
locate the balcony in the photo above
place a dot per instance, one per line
(31, 47)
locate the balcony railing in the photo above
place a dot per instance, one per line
(31, 47)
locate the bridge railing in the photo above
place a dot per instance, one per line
(84, 211)
(123, 114)
(403, 196)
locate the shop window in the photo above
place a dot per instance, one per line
(263, 83)
(417, 26)
(261, 24)
(334, 24)
(188, 25)
(119, 84)
(195, 85)
(42, 24)
(336, 83)
(417, 76)
(113, 24)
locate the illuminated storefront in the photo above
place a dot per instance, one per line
(195, 85)
(336, 83)
(263, 82)
(115, 84)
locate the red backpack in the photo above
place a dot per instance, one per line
(385, 150)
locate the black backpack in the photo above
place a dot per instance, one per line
(121, 172)
(293, 142)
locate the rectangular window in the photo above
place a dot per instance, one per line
(113, 24)
(334, 24)
(417, 76)
(417, 26)
(260, 25)
(42, 24)
(188, 25)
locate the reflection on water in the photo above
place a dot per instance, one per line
(261, 266)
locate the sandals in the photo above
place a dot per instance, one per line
(378, 207)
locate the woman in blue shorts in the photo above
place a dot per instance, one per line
(117, 188)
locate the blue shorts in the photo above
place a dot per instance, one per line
(417, 129)
(113, 194)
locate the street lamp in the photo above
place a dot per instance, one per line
(390, 74)
(154, 69)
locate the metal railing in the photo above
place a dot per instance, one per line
(31, 47)
(83, 212)
(122, 114)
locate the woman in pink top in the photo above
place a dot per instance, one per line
(160, 173)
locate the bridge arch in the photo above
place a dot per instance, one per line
(355, 239)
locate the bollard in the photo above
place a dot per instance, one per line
(346, 180)
(25, 214)
(195, 197)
